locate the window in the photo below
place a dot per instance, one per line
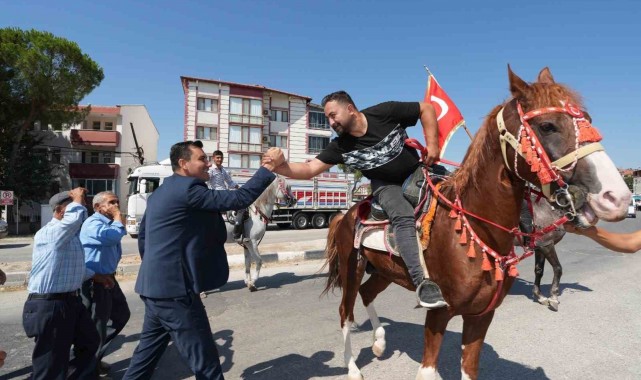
(206, 133)
(94, 186)
(247, 161)
(109, 126)
(206, 104)
(278, 141)
(318, 120)
(279, 115)
(97, 157)
(316, 144)
(243, 134)
(242, 110)
(107, 158)
(95, 125)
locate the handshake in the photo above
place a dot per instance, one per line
(273, 158)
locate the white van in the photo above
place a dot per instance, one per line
(632, 209)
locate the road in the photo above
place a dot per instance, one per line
(286, 331)
(20, 249)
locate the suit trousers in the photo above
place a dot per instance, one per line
(109, 311)
(185, 321)
(56, 325)
(401, 216)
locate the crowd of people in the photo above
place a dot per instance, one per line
(76, 307)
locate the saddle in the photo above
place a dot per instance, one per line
(372, 223)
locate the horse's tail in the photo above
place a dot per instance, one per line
(332, 253)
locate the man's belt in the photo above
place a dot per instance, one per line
(53, 296)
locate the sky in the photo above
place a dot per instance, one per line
(374, 49)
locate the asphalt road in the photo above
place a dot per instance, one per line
(20, 249)
(286, 331)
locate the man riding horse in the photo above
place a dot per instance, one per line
(373, 141)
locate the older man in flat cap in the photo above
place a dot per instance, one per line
(54, 314)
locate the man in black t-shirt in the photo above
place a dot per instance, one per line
(373, 141)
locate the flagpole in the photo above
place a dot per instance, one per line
(464, 126)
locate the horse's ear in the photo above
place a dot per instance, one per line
(518, 87)
(545, 76)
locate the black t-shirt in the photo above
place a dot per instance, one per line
(381, 153)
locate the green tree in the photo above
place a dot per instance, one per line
(42, 78)
(358, 176)
(629, 180)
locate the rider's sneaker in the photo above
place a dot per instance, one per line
(429, 295)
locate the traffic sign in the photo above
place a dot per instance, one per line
(6, 198)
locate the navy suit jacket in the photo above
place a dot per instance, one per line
(182, 235)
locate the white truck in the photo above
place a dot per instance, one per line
(318, 199)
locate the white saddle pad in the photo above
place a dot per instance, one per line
(375, 239)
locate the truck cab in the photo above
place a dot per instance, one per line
(142, 182)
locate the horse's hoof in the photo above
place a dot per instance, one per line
(252, 288)
(378, 349)
(358, 376)
(203, 295)
(553, 304)
(543, 301)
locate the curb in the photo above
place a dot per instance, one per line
(17, 279)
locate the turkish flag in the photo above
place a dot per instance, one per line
(447, 114)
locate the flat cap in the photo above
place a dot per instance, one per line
(59, 199)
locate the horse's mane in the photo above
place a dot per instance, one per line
(480, 151)
(269, 191)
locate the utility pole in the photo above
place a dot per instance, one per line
(139, 152)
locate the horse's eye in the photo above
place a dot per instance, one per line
(547, 128)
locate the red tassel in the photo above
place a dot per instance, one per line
(471, 252)
(535, 166)
(459, 225)
(486, 266)
(463, 239)
(453, 214)
(513, 271)
(498, 275)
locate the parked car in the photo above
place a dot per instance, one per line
(637, 200)
(4, 229)
(632, 209)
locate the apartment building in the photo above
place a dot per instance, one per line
(244, 120)
(99, 152)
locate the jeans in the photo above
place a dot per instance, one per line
(401, 215)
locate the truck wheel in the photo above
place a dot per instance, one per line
(319, 220)
(332, 216)
(300, 221)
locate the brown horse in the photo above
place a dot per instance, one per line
(489, 185)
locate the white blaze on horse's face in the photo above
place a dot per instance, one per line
(608, 195)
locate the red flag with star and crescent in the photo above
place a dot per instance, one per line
(447, 114)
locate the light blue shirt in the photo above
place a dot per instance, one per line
(58, 263)
(220, 179)
(100, 238)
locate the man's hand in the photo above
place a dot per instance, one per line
(572, 228)
(106, 280)
(273, 158)
(78, 195)
(432, 154)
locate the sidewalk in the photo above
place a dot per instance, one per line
(18, 272)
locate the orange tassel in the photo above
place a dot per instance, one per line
(498, 275)
(471, 252)
(486, 266)
(453, 214)
(535, 166)
(463, 239)
(458, 225)
(513, 271)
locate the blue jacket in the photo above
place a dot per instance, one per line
(100, 238)
(182, 235)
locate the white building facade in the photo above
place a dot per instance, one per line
(99, 153)
(244, 120)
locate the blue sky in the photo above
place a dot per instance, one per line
(373, 49)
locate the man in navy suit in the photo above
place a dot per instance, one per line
(181, 242)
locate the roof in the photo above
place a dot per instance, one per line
(256, 86)
(105, 110)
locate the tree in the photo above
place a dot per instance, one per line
(629, 180)
(358, 176)
(42, 78)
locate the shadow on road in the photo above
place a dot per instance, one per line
(523, 287)
(269, 282)
(10, 246)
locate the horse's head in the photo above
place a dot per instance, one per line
(547, 139)
(284, 195)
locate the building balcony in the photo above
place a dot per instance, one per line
(88, 137)
(90, 171)
(245, 147)
(246, 119)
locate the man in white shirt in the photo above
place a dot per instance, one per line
(220, 179)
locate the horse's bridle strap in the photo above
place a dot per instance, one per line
(578, 154)
(506, 137)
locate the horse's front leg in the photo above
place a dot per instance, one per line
(553, 259)
(539, 266)
(248, 264)
(474, 331)
(351, 277)
(374, 285)
(253, 250)
(435, 324)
